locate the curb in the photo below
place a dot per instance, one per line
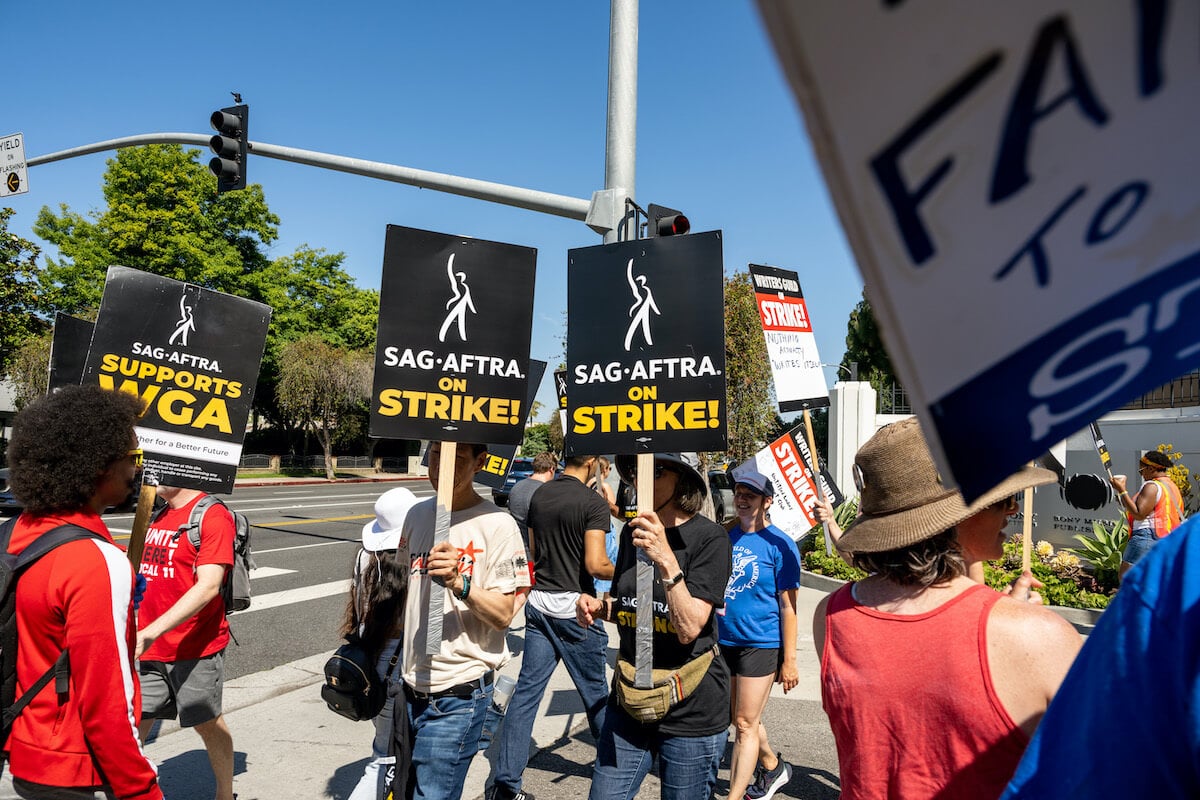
(252, 482)
(1083, 619)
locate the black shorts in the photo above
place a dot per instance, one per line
(751, 662)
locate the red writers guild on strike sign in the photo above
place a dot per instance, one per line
(791, 346)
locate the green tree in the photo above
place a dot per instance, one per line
(18, 292)
(163, 216)
(322, 386)
(537, 439)
(748, 381)
(865, 346)
(29, 369)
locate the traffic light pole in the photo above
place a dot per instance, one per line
(533, 200)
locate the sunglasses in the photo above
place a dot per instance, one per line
(139, 458)
(659, 469)
(1008, 504)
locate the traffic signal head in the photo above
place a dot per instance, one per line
(663, 221)
(231, 145)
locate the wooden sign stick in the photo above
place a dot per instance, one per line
(644, 632)
(441, 532)
(141, 522)
(1027, 535)
(812, 454)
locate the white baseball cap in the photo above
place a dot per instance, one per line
(390, 510)
(747, 474)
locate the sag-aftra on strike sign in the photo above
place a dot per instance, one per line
(1018, 183)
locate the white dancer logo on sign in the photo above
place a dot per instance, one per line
(643, 304)
(186, 325)
(458, 304)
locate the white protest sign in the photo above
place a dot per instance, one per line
(785, 463)
(1018, 183)
(791, 346)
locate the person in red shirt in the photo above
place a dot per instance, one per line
(72, 455)
(932, 683)
(184, 630)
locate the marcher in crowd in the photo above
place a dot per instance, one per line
(691, 559)
(73, 454)
(611, 540)
(758, 632)
(544, 465)
(567, 523)
(375, 613)
(184, 631)
(1126, 721)
(1155, 511)
(479, 571)
(932, 683)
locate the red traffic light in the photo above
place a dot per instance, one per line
(663, 221)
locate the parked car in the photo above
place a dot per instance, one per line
(8, 503)
(720, 484)
(521, 469)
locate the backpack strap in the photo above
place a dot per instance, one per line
(395, 657)
(60, 671)
(196, 519)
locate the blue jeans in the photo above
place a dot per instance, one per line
(445, 739)
(687, 765)
(547, 641)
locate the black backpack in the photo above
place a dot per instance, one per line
(11, 569)
(235, 590)
(352, 686)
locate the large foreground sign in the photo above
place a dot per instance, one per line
(192, 355)
(1018, 183)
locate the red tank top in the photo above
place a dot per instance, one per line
(911, 703)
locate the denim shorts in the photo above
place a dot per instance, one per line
(1140, 542)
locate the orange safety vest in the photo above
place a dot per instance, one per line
(1168, 510)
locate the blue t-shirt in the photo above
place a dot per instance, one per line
(765, 564)
(1126, 721)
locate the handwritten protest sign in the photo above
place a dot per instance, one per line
(646, 346)
(452, 354)
(192, 355)
(791, 346)
(1017, 182)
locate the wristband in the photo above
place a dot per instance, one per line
(466, 589)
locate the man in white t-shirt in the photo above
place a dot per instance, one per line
(480, 570)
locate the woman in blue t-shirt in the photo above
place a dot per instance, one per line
(758, 633)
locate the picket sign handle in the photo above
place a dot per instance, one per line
(816, 474)
(141, 523)
(1027, 538)
(436, 609)
(643, 662)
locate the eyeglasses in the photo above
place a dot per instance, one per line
(659, 469)
(1007, 505)
(139, 458)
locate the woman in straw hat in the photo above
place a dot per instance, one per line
(932, 683)
(691, 557)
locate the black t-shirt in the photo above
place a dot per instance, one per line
(559, 513)
(705, 555)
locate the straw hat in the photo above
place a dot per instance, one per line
(903, 499)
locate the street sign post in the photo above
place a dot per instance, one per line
(14, 173)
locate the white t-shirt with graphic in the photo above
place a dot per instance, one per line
(492, 554)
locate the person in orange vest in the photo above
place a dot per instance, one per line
(1155, 511)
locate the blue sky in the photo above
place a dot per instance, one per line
(514, 93)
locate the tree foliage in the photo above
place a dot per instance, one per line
(748, 382)
(864, 345)
(163, 216)
(29, 369)
(321, 385)
(18, 291)
(537, 439)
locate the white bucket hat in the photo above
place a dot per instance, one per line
(390, 510)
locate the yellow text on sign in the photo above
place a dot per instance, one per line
(677, 416)
(457, 408)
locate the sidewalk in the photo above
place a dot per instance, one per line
(288, 744)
